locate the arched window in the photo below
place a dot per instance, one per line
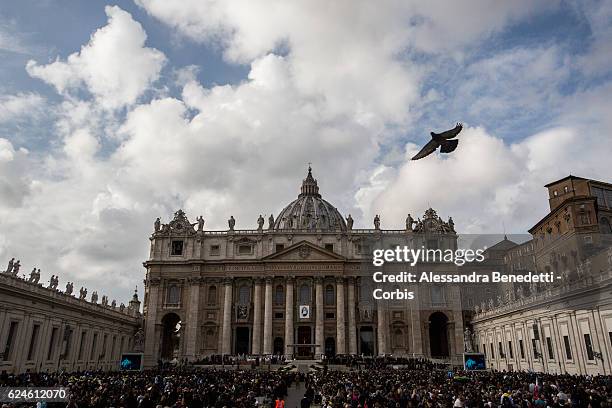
(212, 295)
(174, 295)
(329, 295)
(305, 293)
(279, 295)
(244, 295)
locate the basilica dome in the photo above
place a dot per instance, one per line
(309, 211)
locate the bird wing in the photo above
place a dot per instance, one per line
(428, 149)
(448, 146)
(449, 134)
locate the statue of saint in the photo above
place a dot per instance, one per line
(200, 223)
(231, 222)
(349, 222)
(467, 341)
(69, 287)
(157, 224)
(9, 268)
(377, 222)
(409, 222)
(32, 275)
(51, 281)
(16, 267)
(37, 276)
(82, 293)
(271, 222)
(260, 222)
(451, 223)
(114, 304)
(94, 297)
(104, 300)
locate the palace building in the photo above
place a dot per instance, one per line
(301, 286)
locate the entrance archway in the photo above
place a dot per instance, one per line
(366, 341)
(330, 347)
(171, 336)
(438, 335)
(242, 340)
(304, 336)
(279, 346)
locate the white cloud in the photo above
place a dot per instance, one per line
(15, 107)
(115, 66)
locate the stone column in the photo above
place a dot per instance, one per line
(340, 317)
(319, 340)
(352, 325)
(267, 341)
(257, 318)
(192, 320)
(289, 318)
(226, 347)
(381, 329)
(150, 359)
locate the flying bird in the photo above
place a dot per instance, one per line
(442, 140)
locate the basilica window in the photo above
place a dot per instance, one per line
(210, 338)
(173, 295)
(214, 250)
(244, 295)
(329, 247)
(177, 248)
(304, 294)
(329, 295)
(245, 249)
(212, 295)
(437, 295)
(279, 295)
(279, 247)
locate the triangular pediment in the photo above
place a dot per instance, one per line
(304, 251)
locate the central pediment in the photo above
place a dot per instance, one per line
(304, 251)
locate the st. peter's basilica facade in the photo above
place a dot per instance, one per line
(299, 285)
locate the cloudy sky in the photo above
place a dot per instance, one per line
(114, 114)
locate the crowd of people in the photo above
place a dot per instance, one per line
(168, 388)
(362, 383)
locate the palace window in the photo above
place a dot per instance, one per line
(279, 295)
(245, 249)
(215, 250)
(212, 295)
(10, 339)
(551, 353)
(304, 294)
(173, 295)
(244, 295)
(177, 248)
(589, 347)
(568, 349)
(329, 295)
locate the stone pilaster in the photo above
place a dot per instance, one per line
(150, 323)
(381, 329)
(256, 350)
(226, 347)
(352, 329)
(319, 322)
(289, 318)
(267, 341)
(340, 317)
(192, 320)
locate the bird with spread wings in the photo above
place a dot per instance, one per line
(443, 140)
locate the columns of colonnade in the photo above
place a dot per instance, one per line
(257, 318)
(319, 340)
(226, 346)
(267, 340)
(289, 340)
(340, 317)
(352, 328)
